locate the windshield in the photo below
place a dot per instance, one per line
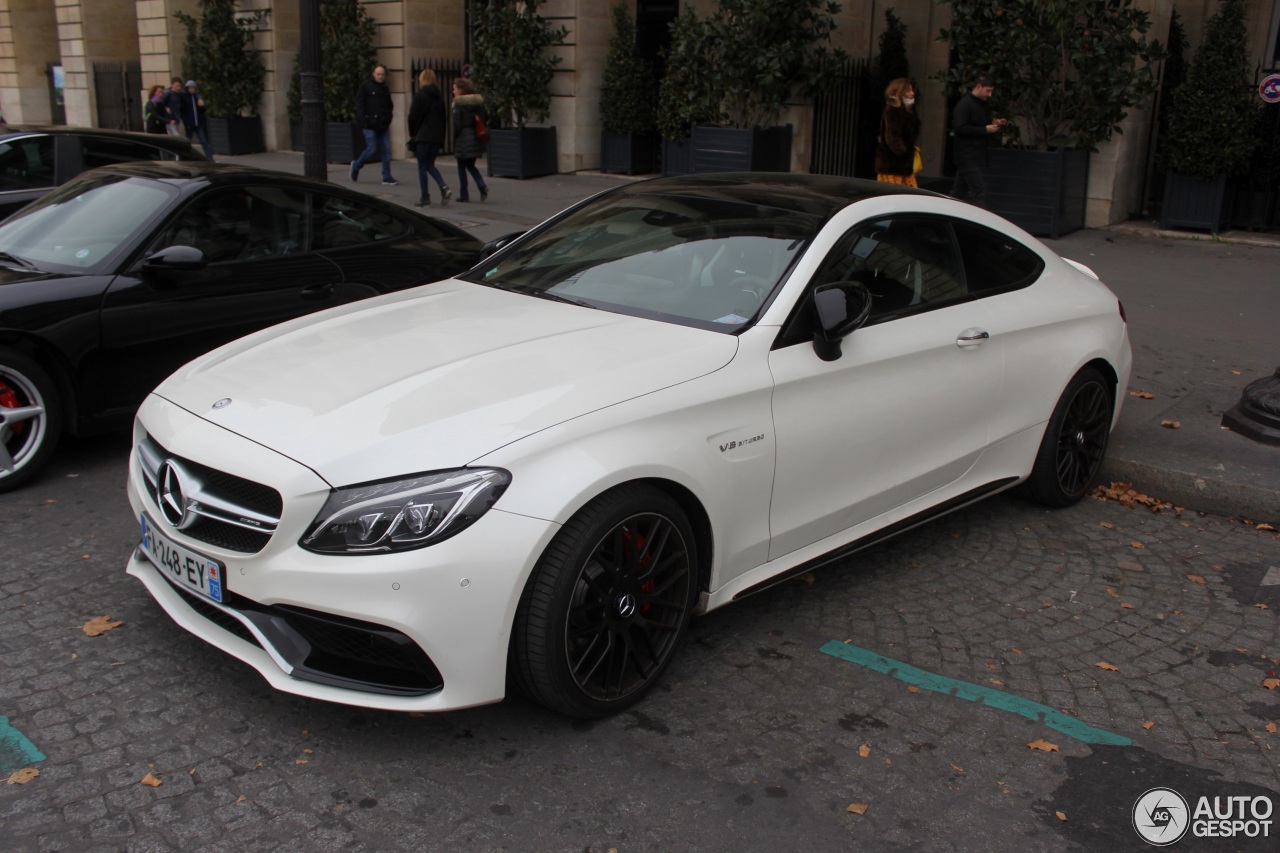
(76, 227)
(700, 260)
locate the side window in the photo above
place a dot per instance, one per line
(993, 262)
(26, 164)
(240, 224)
(103, 151)
(339, 222)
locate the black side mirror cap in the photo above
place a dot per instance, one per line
(500, 243)
(841, 307)
(175, 258)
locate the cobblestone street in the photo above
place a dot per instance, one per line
(757, 740)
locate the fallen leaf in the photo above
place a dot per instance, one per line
(1016, 651)
(864, 750)
(1261, 606)
(956, 767)
(1111, 592)
(1235, 373)
(1142, 395)
(1148, 725)
(1196, 579)
(911, 688)
(888, 762)
(992, 666)
(1108, 525)
(1061, 815)
(1136, 544)
(151, 780)
(23, 776)
(1271, 727)
(1126, 606)
(309, 751)
(191, 772)
(117, 663)
(1171, 424)
(1109, 667)
(1267, 527)
(858, 808)
(1271, 683)
(100, 625)
(997, 682)
(1043, 745)
(808, 578)
(241, 798)
(301, 761)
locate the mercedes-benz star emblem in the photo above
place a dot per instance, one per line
(223, 403)
(626, 605)
(174, 505)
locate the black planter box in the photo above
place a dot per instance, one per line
(1195, 203)
(528, 152)
(677, 156)
(731, 149)
(629, 154)
(1043, 192)
(236, 135)
(1253, 209)
(295, 136)
(343, 141)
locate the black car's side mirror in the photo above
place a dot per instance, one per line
(173, 258)
(841, 307)
(500, 243)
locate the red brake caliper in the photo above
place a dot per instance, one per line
(636, 541)
(9, 400)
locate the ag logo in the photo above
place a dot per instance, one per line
(1161, 816)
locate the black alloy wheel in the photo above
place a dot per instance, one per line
(608, 604)
(1074, 444)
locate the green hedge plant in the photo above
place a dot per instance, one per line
(347, 57)
(627, 90)
(219, 55)
(514, 64)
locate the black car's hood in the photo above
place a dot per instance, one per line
(17, 275)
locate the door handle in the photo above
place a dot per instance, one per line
(972, 337)
(318, 291)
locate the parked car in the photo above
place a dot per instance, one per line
(678, 393)
(112, 281)
(34, 160)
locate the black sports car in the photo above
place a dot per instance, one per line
(117, 278)
(34, 160)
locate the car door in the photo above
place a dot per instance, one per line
(259, 271)
(906, 408)
(381, 249)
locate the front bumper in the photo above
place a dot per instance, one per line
(417, 631)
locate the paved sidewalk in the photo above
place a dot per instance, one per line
(1202, 315)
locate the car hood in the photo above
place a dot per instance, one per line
(433, 377)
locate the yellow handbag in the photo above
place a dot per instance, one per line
(918, 163)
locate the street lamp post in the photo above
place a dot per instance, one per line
(315, 157)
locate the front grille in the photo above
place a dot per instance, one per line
(235, 497)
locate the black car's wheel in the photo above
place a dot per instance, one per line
(1074, 443)
(30, 418)
(607, 605)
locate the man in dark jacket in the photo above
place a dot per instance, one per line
(973, 126)
(191, 111)
(373, 113)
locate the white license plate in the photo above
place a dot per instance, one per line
(181, 565)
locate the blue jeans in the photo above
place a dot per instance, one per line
(373, 141)
(427, 153)
(465, 166)
(202, 132)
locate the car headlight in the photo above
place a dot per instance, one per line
(400, 515)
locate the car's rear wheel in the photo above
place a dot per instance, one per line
(607, 605)
(1074, 443)
(30, 418)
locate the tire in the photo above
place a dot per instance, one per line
(1074, 443)
(30, 418)
(607, 605)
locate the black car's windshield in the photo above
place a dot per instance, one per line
(697, 259)
(75, 227)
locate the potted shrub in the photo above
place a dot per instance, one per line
(513, 69)
(684, 99)
(1210, 138)
(1066, 73)
(754, 55)
(628, 136)
(347, 33)
(220, 56)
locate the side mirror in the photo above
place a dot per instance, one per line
(500, 243)
(173, 258)
(841, 307)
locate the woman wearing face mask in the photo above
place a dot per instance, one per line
(899, 133)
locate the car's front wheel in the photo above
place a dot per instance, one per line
(607, 605)
(1074, 443)
(30, 418)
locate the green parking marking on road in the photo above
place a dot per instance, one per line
(1052, 718)
(16, 751)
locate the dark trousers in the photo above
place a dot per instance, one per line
(202, 132)
(426, 152)
(465, 166)
(375, 142)
(971, 184)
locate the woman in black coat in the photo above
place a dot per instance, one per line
(467, 104)
(899, 132)
(426, 135)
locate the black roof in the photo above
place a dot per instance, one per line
(177, 144)
(818, 195)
